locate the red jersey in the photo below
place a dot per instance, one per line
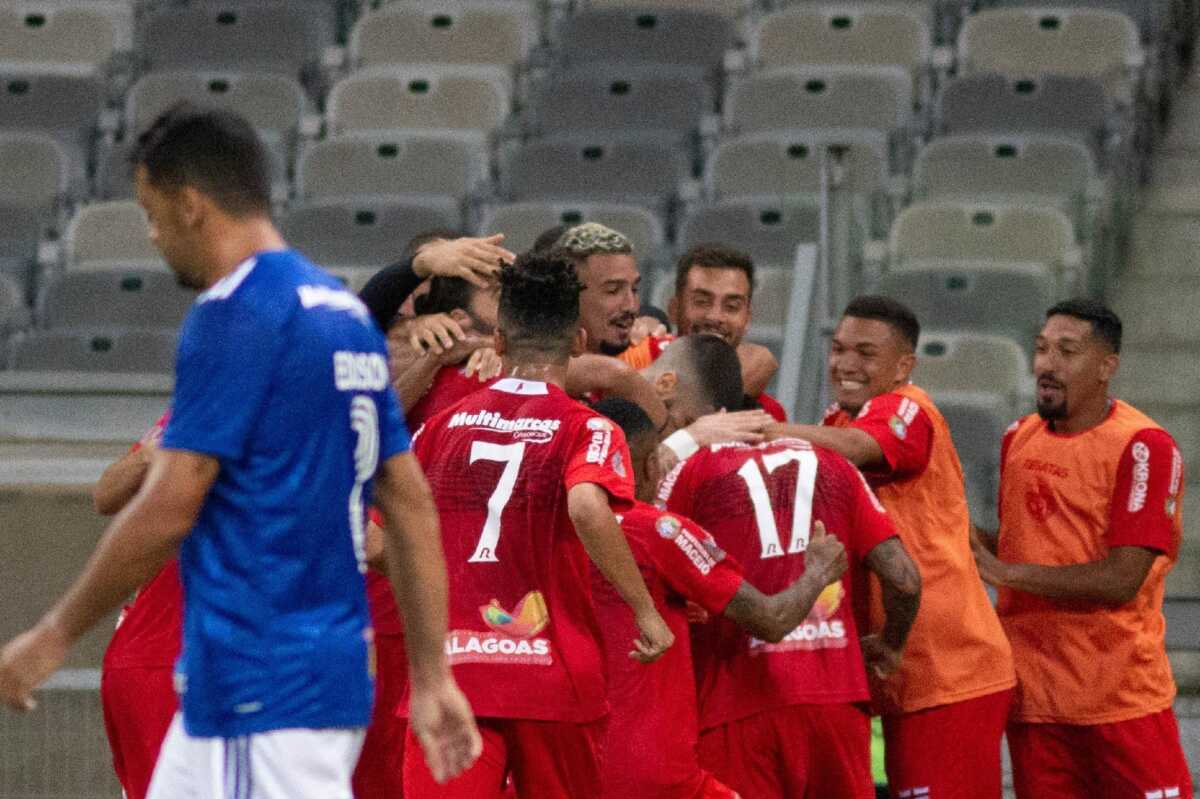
(523, 637)
(759, 503)
(653, 727)
(149, 630)
(772, 406)
(449, 386)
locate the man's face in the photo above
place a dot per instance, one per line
(169, 230)
(866, 358)
(1072, 365)
(484, 309)
(714, 301)
(608, 305)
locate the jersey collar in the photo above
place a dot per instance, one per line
(514, 385)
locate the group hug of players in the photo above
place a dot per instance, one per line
(653, 593)
(808, 575)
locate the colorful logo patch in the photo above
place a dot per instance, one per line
(618, 464)
(899, 428)
(528, 619)
(668, 527)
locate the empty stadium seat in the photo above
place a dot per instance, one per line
(44, 37)
(1076, 41)
(266, 36)
(341, 235)
(123, 351)
(681, 38)
(111, 235)
(767, 229)
(843, 35)
(273, 104)
(407, 98)
(579, 170)
(730, 9)
(1059, 105)
(492, 35)
(820, 98)
(34, 173)
(789, 165)
(522, 223)
(114, 299)
(630, 101)
(962, 361)
(1032, 168)
(769, 303)
(977, 423)
(390, 168)
(63, 104)
(1149, 15)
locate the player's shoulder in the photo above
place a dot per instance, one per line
(1130, 421)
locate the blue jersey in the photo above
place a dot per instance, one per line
(283, 377)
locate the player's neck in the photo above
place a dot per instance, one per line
(1087, 418)
(238, 240)
(553, 373)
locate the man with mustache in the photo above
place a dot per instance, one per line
(1091, 494)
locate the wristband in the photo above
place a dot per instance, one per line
(682, 443)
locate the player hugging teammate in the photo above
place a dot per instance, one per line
(658, 594)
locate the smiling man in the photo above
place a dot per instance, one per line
(1090, 524)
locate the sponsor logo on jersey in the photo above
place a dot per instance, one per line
(1043, 467)
(819, 631)
(668, 527)
(1164, 793)
(618, 464)
(512, 637)
(695, 549)
(533, 431)
(597, 451)
(1041, 503)
(1141, 476)
(597, 423)
(359, 371)
(899, 428)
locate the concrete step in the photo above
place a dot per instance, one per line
(1158, 310)
(1158, 377)
(1165, 245)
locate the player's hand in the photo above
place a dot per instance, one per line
(484, 364)
(645, 326)
(436, 333)
(695, 613)
(743, 426)
(881, 660)
(825, 555)
(476, 260)
(656, 638)
(27, 661)
(993, 570)
(441, 719)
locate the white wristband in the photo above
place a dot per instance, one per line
(682, 443)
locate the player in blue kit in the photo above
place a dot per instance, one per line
(283, 426)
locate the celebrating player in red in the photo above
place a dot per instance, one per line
(524, 477)
(650, 749)
(788, 719)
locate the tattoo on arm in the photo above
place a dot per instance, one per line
(901, 589)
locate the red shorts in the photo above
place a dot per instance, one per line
(1139, 758)
(138, 707)
(950, 751)
(546, 759)
(380, 771)
(813, 751)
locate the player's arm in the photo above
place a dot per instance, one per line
(987, 539)
(135, 546)
(611, 377)
(759, 365)
(772, 617)
(745, 427)
(439, 714)
(597, 528)
(122, 479)
(1113, 580)
(901, 583)
(857, 446)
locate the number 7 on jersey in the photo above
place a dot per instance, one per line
(510, 455)
(764, 515)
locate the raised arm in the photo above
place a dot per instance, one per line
(612, 377)
(439, 714)
(142, 537)
(901, 583)
(856, 446)
(597, 528)
(773, 617)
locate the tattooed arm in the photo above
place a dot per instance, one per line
(901, 582)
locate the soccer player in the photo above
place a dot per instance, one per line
(137, 692)
(1090, 524)
(650, 749)
(713, 289)
(525, 480)
(282, 425)
(944, 708)
(788, 719)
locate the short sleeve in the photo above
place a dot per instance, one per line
(393, 432)
(688, 559)
(674, 492)
(598, 454)
(227, 355)
(871, 525)
(1149, 480)
(902, 430)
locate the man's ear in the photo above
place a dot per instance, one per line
(579, 343)
(193, 206)
(1109, 366)
(904, 366)
(666, 384)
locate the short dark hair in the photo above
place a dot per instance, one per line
(712, 256)
(548, 238)
(539, 304)
(445, 295)
(894, 313)
(629, 416)
(715, 368)
(215, 152)
(1106, 325)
